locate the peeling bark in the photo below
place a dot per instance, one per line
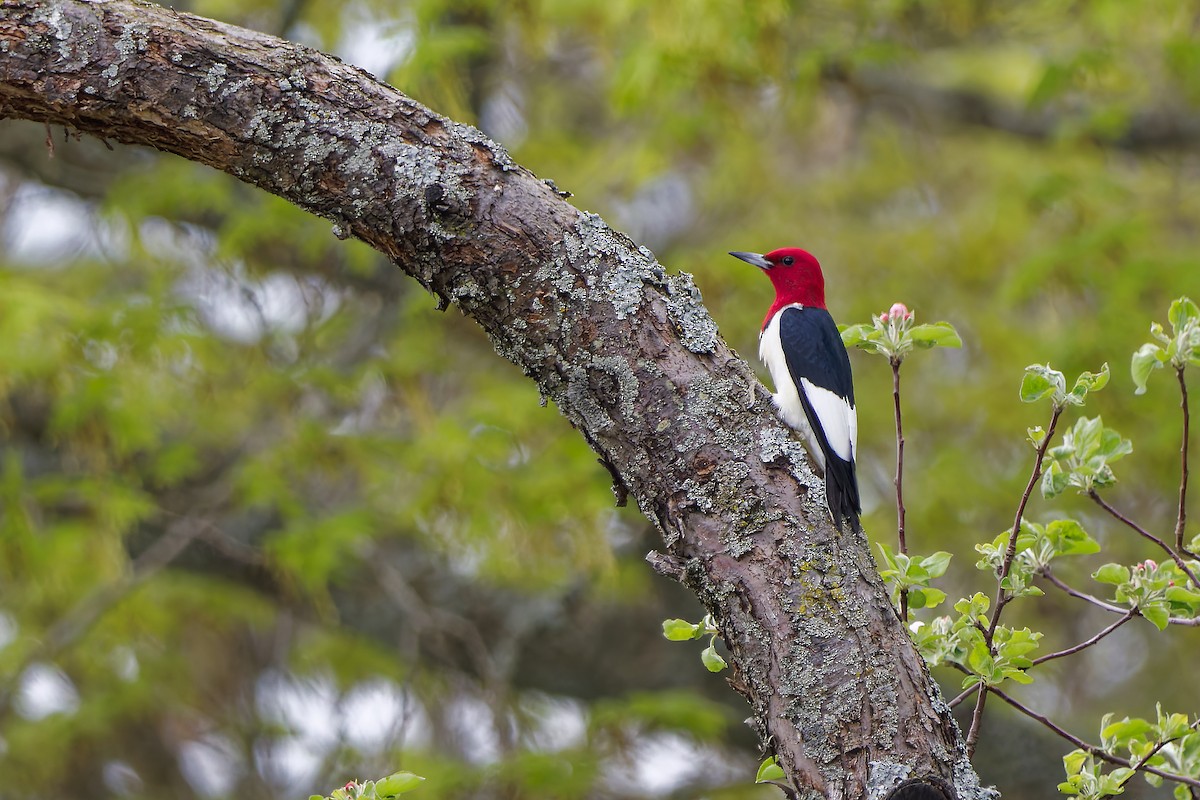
(627, 352)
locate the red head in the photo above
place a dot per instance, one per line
(794, 272)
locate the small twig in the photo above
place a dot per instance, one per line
(1096, 601)
(1181, 520)
(1166, 548)
(1091, 748)
(1190, 622)
(788, 791)
(964, 694)
(1141, 764)
(976, 720)
(900, 511)
(1130, 614)
(1010, 553)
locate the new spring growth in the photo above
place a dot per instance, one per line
(894, 335)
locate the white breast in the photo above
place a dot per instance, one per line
(839, 420)
(787, 395)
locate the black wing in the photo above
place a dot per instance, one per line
(814, 351)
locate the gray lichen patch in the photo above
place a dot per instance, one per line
(776, 442)
(60, 29)
(624, 287)
(710, 397)
(604, 384)
(883, 777)
(617, 368)
(371, 152)
(685, 308)
(215, 77)
(477, 138)
(966, 783)
(134, 38)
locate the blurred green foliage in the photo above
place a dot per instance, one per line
(236, 448)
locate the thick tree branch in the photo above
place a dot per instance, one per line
(627, 353)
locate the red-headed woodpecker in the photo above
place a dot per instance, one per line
(814, 390)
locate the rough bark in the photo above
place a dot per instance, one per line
(627, 352)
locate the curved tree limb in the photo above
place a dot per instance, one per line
(627, 353)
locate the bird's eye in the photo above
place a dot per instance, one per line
(788, 261)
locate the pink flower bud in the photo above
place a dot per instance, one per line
(1150, 563)
(883, 317)
(899, 311)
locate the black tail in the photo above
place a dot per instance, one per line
(841, 492)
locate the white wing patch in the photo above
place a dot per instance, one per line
(838, 419)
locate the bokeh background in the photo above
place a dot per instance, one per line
(269, 521)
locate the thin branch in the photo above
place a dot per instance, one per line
(1166, 548)
(1141, 764)
(1002, 597)
(900, 531)
(1181, 520)
(1130, 614)
(1096, 601)
(1010, 553)
(1190, 622)
(1091, 748)
(976, 720)
(964, 694)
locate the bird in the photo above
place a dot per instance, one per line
(814, 388)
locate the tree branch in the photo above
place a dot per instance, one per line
(1130, 614)
(1098, 752)
(627, 353)
(1098, 603)
(1181, 518)
(899, 482)
(1145, 534)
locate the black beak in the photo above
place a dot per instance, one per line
(752, 258)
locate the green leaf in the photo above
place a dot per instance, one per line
(1157, 614)
(1146, 359)
(1054, 481)
(768, 770)
(1090, 382)
(1035, 436)
(396, 784)
(1114, 574)
(936, 563)
(1018, 676)
(1183, 312)
(1073, 762)
(680, 630)
(935, 334)
(1039, 381)
(933, 597)
(1126, 730)
(1070, 539)
(860, 336)
(712, 659)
